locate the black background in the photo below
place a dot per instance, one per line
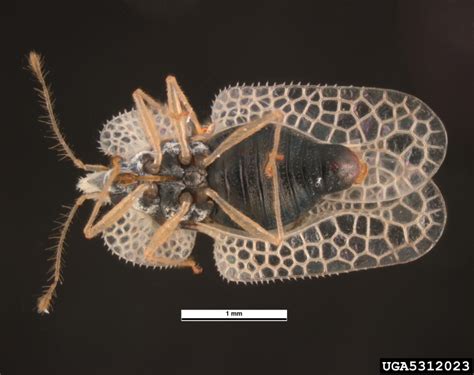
(112, 318)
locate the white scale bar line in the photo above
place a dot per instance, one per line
(242, 315)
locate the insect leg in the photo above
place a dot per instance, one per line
(44, 302)
(179, 116)
(177, 94)
(148, 123)
(246, 223)
(91, 230)
(36, 66)
(164, 232)
(242, 132)
(272, 173)
(273, 157)
(211, 229)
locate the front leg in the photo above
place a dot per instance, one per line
(177, 95)
(148, 123)
(93, 229)
(179, 111)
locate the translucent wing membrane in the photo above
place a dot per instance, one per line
(128, 238)
(399, 137)
(339, 237)
(125, 137)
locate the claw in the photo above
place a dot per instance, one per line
(269, 166)
(203, 132)
(196, 268)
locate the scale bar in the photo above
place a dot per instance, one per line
(234, 315)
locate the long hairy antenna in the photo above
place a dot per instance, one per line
(44, 302)
(35, 62)
(44, 92)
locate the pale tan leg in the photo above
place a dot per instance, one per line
(246, 223)
(162, 235)
(272, 172)
(178, 94)
(178, 116)
(103, 196)
(242, 132)
(91, 230)
(211, 229)
(148, 123)
(364, 168)
(206, 133)
(36, 66)
(191, 263)
(273, 157)
(44, 302)
(148, 99)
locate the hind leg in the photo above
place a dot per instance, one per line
(271, 171)
(241, 133)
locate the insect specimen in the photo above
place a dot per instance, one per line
(291, 181)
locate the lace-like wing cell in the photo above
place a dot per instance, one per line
(124, 136)
(402, 141)
(339, 237)
(128, 238)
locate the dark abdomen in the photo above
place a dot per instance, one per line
(239, 177)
